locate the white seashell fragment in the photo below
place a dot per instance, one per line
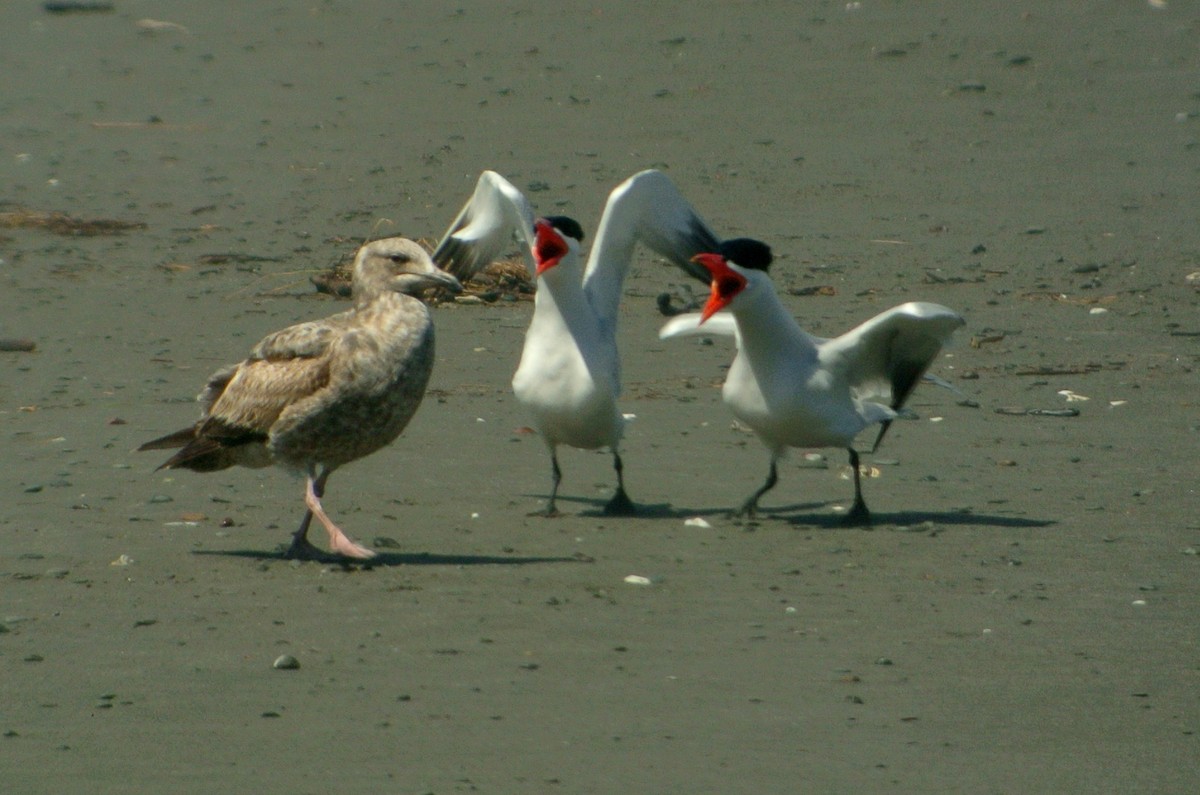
(637, 579)
(124, 560)
(1115, 403)
(696, 521)
(159, 26)
(1072, 397)
(1097, 310)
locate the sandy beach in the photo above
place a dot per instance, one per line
(1021, 618)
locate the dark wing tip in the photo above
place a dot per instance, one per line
(458, 258)
(171, 440)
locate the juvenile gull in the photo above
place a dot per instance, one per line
(321, 394)
(797, 390)
(569, 374)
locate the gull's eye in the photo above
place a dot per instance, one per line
(399, 258)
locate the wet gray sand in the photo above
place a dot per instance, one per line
(1022, 616)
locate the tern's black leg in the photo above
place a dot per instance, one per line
(750, 506)
(883, 429)
(858, 513)
(556, 476)
(620, 504)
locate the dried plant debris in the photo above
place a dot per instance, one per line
(1087, 300)
(503, 280)
(1071, 369)
(77, 7)
(63, 224)
(1017, 411)
(824, 290)
(234, 258)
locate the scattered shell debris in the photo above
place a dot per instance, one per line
(696, 521)
(637, 579)
(123, 560)
(865, 470)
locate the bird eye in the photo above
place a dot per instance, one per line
(399, 258)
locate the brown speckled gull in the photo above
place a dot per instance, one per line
(321, 394)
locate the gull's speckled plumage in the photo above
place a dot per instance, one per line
(318, 395)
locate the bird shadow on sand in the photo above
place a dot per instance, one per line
(819, 514)
(902, 520)
(387, 559)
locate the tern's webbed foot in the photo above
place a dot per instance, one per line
(620, 505)
(748, 510)
(857, 516)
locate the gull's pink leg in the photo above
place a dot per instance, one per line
(339, 542)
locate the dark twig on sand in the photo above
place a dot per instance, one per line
(16, 345)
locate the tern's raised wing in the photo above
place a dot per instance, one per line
(496, 215)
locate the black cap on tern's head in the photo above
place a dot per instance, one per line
(567, 225)
(746, 252)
